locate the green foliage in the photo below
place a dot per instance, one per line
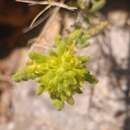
(91, 6)
(96, 5)
(61, 72)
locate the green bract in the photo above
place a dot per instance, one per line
(61, 73)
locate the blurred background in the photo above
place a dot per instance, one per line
(106, 106)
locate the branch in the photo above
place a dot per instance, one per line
(58, 4)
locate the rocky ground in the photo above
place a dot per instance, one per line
(105, 106)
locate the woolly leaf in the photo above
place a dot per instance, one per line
(90, 78)
(58, 104)
(26, 73)
(37, 57)
(40, 89)
(96, 5)
(70, 101)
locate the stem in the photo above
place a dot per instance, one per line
(61, 5)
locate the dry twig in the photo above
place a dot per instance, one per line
(58, 4)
